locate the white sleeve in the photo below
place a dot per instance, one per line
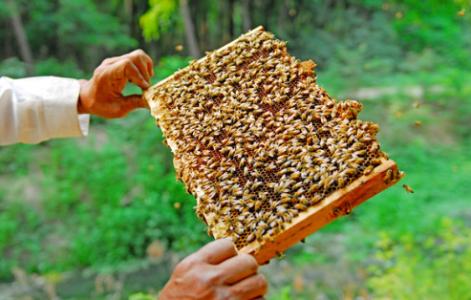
(36, 109)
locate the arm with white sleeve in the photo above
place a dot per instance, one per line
(36, 109)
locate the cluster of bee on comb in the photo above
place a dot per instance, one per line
(256, 140)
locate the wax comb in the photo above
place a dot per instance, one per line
(269, 156)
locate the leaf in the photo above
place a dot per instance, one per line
(158, 18)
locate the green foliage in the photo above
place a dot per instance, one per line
(102, 200)
(19, 235)
(430, 24)
(437, 267)
(158, 18)
(110, 203)
(17, 166)
(75, 33)
(141, 296)
(284, 294)
(4, 11)
(345, 42)
(12, 67)
(52, 66)
(167, 64)
(89, 27)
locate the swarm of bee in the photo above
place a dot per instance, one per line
(256, 140)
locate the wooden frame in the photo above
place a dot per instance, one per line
(337, 204)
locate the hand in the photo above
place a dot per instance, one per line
(102, 94)
(216, 272)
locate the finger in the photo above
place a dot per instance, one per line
(141, 60)
(114, 59)
(217, 251)
(238, 268)
(150, 64)
(250, 288)
(132, 73)
(142, 66)
(134, 101)
(148, 61)
(111, 60)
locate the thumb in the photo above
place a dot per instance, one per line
(135, 101)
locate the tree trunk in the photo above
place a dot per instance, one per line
(269, 9)
(20, 35)
(224, 25)
(230, 17)
(189, 29)
(128, 8)
(246, 18)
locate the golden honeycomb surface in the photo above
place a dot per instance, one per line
(256, 140)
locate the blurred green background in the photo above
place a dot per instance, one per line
(104, 218)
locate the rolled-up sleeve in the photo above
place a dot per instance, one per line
(36, 109)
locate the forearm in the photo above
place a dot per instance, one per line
(39, 108)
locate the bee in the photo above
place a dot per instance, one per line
(360, 153)
(388, 177)
(297, 185)
(368, 170)
(287, 218)
(400, 175)
(299, 192)
(408, 188)
(259, 234)
(239, 230)
(339, 181)
(281, 210)
(251, 237)
(280, 255)
(285, 200)
(374, 147)
(296, 175)
(300, 207)
(258, 205)
(304, 200)
(376, 162)
(273, 224)
(269, 236)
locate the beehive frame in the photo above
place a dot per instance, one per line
(335, 204)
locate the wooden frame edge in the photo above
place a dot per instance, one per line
(337, 204)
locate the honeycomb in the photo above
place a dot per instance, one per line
(256, 140)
